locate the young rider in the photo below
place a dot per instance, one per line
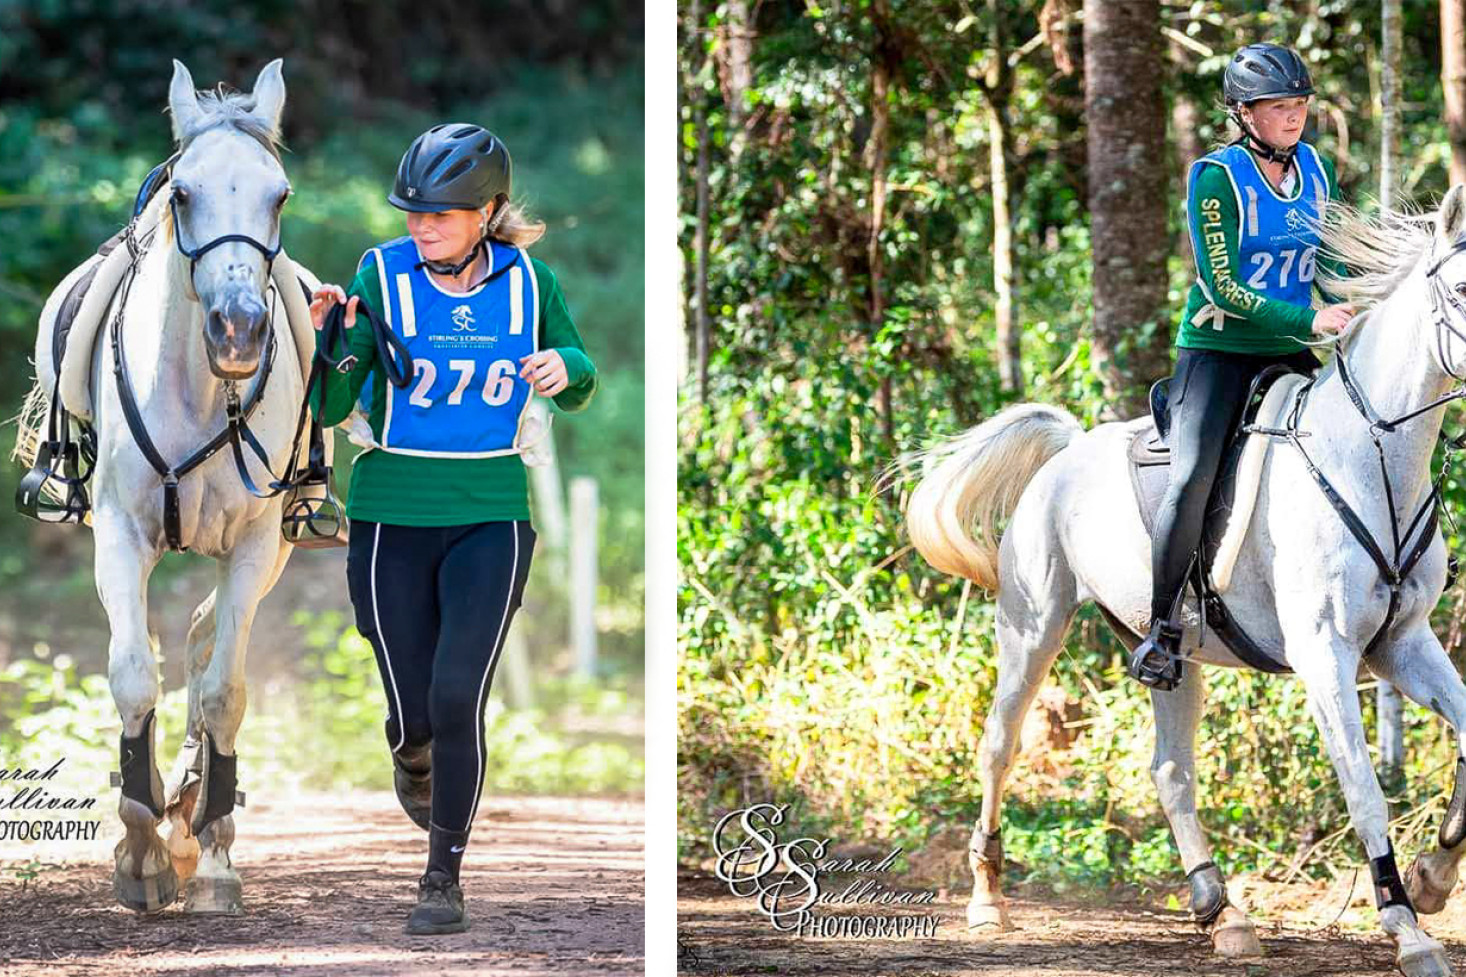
(1251, 207)
(439, 504)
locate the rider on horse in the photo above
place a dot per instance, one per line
(1252, 209)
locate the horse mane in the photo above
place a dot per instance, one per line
(1377, 251)
(235, 110)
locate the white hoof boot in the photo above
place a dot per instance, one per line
(1233, 935)
(989, 917)
(1426, 958)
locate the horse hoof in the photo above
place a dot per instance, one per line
(213, 895)
(988, 917)
(1424, 893)
(148, 895)
(1425, 961)
(1234, 936)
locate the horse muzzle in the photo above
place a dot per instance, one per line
(234, 334)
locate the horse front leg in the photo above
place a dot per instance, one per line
(1419, 667)
(1328, 665)
(1173, 770)
(246, 574)
(143, 878)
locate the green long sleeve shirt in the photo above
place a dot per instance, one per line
(1255, 324)
(410, 490)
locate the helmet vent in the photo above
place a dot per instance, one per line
(457, 169)
(465, 132)
(430, 171)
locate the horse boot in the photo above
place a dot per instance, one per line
(412, 775)
(1156, 661)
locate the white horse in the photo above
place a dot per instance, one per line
(199, 317)
(1304, 582)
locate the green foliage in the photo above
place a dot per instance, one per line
(821, 663)
(323, 729)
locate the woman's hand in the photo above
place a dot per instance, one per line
(1332, 319)
(327, 296)
(546, 371)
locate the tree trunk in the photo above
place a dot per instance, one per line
(999, 91)
(1453, 80)
(738, 50)
(1390, 708)
(702, 322)
(877, 152)
(1186, 137)
(1125, 119)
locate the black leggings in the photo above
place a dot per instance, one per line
(436, 603)
(1207, 395)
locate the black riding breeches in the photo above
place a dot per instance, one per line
(436, 602)
(1207, 395)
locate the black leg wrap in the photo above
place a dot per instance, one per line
(987, 847)
(1388, 889)
(1208, 892)
(1453, 826)
(220, 786)
(137, 767)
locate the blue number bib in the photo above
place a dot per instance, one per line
(1277, 245)
(465, 398)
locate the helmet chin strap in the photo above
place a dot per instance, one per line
(449, 268)
(1255, 143)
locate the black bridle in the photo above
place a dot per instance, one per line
(1396, 569)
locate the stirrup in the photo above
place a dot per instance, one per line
(315, 523)
(1156, 661)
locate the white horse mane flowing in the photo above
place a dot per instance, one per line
(1304, 581)
(205, 308)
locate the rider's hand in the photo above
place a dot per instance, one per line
(546, 370)
(327, 296)
(1332, 319)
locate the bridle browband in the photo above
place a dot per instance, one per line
(1406, 555)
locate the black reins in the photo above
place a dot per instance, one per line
(1396, 569)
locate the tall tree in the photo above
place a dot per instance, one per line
(997, 91)
(1125, 116)
(1453, 82)
(1390, 708)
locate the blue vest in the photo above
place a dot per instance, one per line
(1277, 246)
(466, 398)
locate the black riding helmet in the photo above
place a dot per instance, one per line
(454, 166)
(1261, 71)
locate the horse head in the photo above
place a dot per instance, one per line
(227, 190)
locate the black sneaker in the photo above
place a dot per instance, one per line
(413, 777)
(1156, 661)
(439, 906)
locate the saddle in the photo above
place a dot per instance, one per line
(1229, 508)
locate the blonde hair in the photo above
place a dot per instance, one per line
(511, 225)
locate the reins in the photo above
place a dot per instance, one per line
(1396, 569)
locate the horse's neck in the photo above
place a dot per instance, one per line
(166, 360)
(1392, 364)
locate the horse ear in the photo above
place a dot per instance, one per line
(269, 94)
(183, 101)
(1452, 213)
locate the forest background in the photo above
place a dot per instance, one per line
(83, 88)
(896, 219)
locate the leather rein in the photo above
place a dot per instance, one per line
(1396, 569)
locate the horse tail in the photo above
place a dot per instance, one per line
(30, 425)
(974, 480)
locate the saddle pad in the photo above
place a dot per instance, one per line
(1229, 511)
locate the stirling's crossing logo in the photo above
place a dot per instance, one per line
(463, 319)
(1295, 220)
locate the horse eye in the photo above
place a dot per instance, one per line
(180, 195)
(283, 198)
(1461, 289)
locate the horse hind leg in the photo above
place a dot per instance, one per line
(1036, 602)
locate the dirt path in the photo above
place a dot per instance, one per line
(1106, 935)
(552, 886)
